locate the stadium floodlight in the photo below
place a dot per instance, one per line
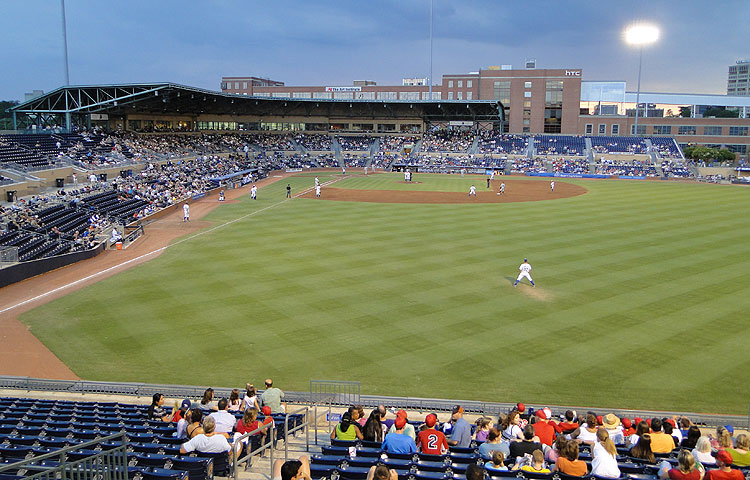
(640, 35)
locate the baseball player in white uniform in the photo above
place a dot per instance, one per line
(185, 212)
(317, 182)
(525, 268)
(317, 191)
(502, 189)
(473, 191)
(253, 192)
(552, 186)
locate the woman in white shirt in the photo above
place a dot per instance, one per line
(587, 431)
(604, 463)
(702, 452)
(511, 427)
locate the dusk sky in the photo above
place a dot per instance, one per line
(336, 42)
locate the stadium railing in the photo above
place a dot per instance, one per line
(419, 404)
(110, 464)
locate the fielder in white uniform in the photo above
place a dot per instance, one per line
(317, 182)
(185, 212)
(317, 191)
(525, 268)
(502, 189)
(253, 192)
(473, 191)
(552, 186)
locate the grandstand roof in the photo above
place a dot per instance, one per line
(172, 98)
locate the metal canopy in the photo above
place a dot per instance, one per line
(174, 99)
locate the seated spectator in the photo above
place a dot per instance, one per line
(235, 404)
(292, 469)
(430, 440)
(604, 463)
(474, 472)
(398, 441)
(408, 429)
(586, 433)
(641, 429)
(569, 425)
(525, 446)
(691, 437)
(642, 449)
(511, 426)
(627, 428)
(184, 419)
(381, 472)
(686, 468)
(358, 415)
(224, 420)
(250, 400)
(346, 429)
(702, 452)
(494, 443)
(207, 442)
(724, 472)
(156, 409)
(483, 429)
(552, 454)
(373, 429)
(195, 426)
(271, 397)
(723, 439)
(660, 441)
(740, 454)
(207, 401)
(461, 432)
(543, 429)
(568, 462)
(182, 411)
(667, 425)
(612, 423)
(497, 462)
(535, 464)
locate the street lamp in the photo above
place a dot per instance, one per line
(640, 35)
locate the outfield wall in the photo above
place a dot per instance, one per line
(22, 271)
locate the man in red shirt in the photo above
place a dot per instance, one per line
(569, 425)
(724, 472)
(543, 428)
(431, 440)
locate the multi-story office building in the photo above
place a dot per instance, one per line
(738, 81)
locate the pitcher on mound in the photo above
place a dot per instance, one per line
(525, 268)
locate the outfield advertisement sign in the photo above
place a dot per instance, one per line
(293, 170)
(200, 195)
(566, 175)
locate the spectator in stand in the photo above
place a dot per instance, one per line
(724, 472)
(535, 465)
(271, 397)
(184, 420)
(604, 463)
(250, 400)
(381, 472)
(207, 442)
(207, 402)
(702, 451)
(223, 419)
(408, 429)
(360, 415)
(494, 443)
(291, 469)
(553, 453)
(660, 441)
(235, 404)
(643, 450)
(525, 446)
(723, 439)
(686, 468)
(510, 426)
(248, 423)
(586, 433)
(568, 462)
(691, 437)
(461, 432)
(474, 472)
(184, 407)
(627, 428)
(496, 463)
(195, 426)
(430, 440)
(543, 429)
(668, 426)
(346, 429)
(398, 441)
(373, 429)
(156, 409)
(483, 428)
(740, 454)
(569, 425)
(614, 429)
(640, 429)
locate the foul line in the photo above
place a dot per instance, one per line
(161, 249)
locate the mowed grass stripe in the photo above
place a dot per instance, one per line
(634, 275)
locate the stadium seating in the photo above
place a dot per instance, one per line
(559, 145)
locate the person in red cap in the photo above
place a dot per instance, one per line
(543, 428)
(266, 421)
(408, 428)
(627, 427)
(724, 472)
(431, 440)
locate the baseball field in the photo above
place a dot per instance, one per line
(641, 301)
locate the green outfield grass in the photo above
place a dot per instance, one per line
(643, 291)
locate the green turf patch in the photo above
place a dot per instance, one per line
(641, 301)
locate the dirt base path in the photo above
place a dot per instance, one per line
(21, 353)
(515, 191)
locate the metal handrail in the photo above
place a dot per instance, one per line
(271, 434)
(298, 427)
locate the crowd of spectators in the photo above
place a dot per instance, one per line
(528, 165)
(559, 145)
(562, 165)
(672, 168)
(394, 144)
(354, 143)
(447, 141)
(491, 142)
(636, 168)
(634, 145)
(314, 142)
